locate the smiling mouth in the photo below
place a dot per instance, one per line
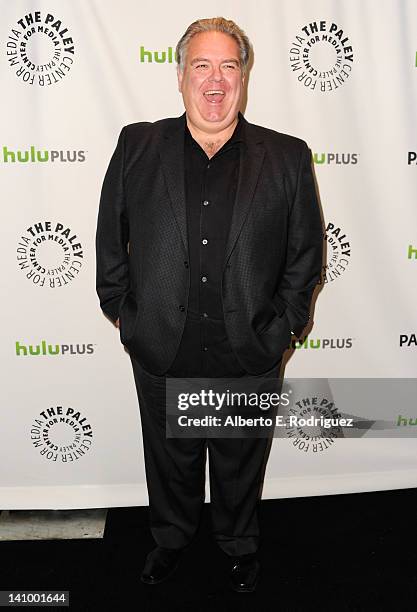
(214, 95)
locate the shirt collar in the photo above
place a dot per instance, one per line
(238, 135)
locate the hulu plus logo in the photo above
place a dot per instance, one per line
(34, 155)
(159, 57)
(336, 159)
(406, 421)
(44, 349)
(323, 343)
(412, 252)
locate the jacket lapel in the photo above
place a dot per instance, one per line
(251, 160)
(171, 151)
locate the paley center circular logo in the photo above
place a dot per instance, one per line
(61, 434)
(40, 48)
(316, 424)
(338, 253)
(50, 254)
(321, 56)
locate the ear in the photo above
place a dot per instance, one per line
(179, 77)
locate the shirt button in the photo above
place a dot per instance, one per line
(205, 348)
(208, 166)
(182, 308)
(205, 315)
(204, 241)
(204, 279)
(206, 203)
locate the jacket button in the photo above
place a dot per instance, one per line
(182, 308)
(186, 264)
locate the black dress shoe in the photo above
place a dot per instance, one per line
(160, 564)
(245, 574)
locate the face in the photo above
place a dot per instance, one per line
(211, 82)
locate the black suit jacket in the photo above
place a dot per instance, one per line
(273, 256)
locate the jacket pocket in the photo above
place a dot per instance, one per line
(280, 322)
(128, 318)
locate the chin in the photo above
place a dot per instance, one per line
(215, 115)
(214, 119)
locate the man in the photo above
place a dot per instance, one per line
(209, 246)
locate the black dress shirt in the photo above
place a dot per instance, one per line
(210, 190)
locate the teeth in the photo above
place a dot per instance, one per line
(213, 91)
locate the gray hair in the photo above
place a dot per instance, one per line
(215, 24)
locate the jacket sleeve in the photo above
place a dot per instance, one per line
(112, 236)
(304, 248)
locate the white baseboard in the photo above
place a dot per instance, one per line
(135, 494)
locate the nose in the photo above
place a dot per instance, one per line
(216, 74)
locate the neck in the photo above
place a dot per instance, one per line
(211, 142)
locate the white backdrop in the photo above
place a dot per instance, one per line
(73, 73)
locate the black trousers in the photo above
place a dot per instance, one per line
(175, 475)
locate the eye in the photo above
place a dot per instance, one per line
(201, 66)
(230, 66)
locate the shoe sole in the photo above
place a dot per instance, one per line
(237, 589)
(248, 590)
(146, 581)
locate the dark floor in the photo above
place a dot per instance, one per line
(336, 553)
